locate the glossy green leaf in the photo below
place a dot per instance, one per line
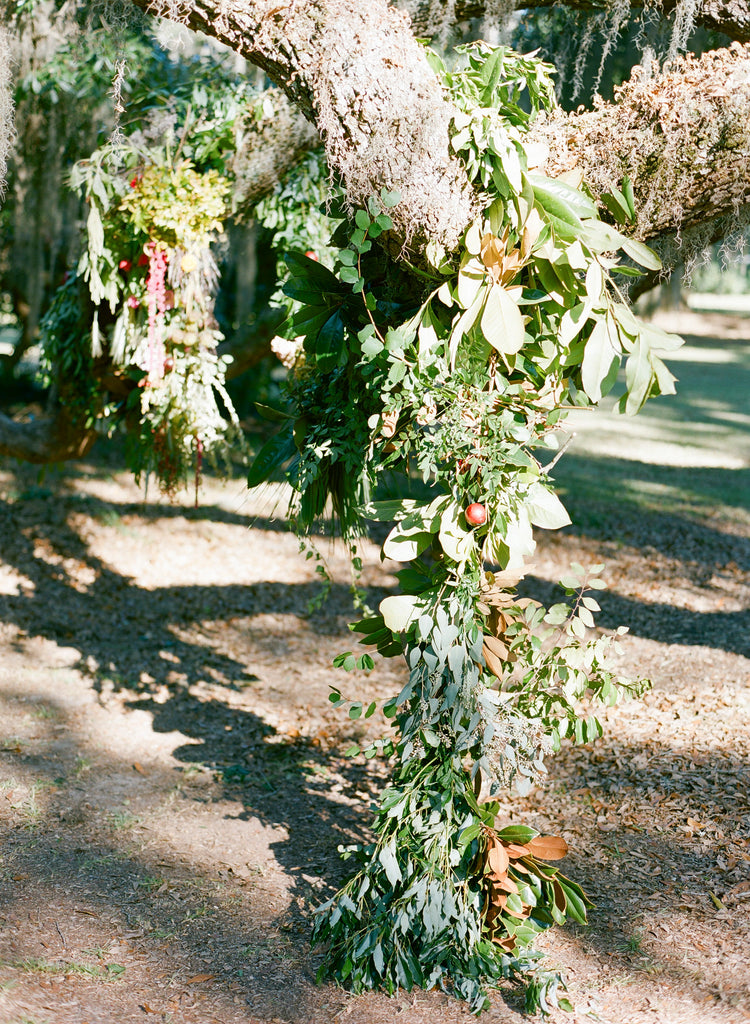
(502, 322)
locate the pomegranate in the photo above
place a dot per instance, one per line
(476, 514)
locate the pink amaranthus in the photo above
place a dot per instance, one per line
(157, 304)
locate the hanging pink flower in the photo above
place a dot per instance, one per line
(157, 304)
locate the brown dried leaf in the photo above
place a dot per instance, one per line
(198, 978)
(573, 177)
(496, 646)
(515, 850)
(390, 422)
(498, 859)
(494, 664)
(548, 847)
(561, 901)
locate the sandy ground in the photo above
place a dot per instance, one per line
(172, 781)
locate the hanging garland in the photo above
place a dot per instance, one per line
(456, 376)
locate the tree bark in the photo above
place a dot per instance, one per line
(683, 139)
(268, 148)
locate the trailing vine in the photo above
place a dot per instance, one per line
(455, 376)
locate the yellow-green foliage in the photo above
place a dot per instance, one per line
(177, 206)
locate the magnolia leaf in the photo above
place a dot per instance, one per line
(404, 544)
(548, 847)
(660, 341)
(572, 322)
(400, 610)
(389, 510)
(517, 834)
(561, 200)
(502, 322)
(544, 508)
(470, 279)
(512, 550)
(601, 360)
(626, 319)
(498, 859)
(664, 378)
(638, 373)
(600, 237)
(464, 324)
(274, 453)
(532, 229)
(456, 540)
(473, 239)
(641, 254)
(494, 663)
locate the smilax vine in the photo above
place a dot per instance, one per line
(456, 375)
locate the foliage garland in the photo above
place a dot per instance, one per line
(451, 375)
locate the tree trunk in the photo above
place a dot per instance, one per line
(52, 439)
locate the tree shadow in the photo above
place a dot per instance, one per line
(39, 543)
(662, 508)
(666, 623)
(260, 955)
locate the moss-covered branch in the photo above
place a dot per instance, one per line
(683, 138)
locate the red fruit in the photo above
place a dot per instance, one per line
(311, 255)
(125, 265)
(134, 183)
(168, 364)
(476, 514)
(143, 260)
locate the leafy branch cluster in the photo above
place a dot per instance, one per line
(455, 377)
(131, 338)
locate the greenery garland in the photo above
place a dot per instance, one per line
(454, 377)
(451, 376)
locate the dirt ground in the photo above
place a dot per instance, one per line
(173, 787)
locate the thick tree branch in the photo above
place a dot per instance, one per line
(682, 138)
(731, 17)
(268, 148)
